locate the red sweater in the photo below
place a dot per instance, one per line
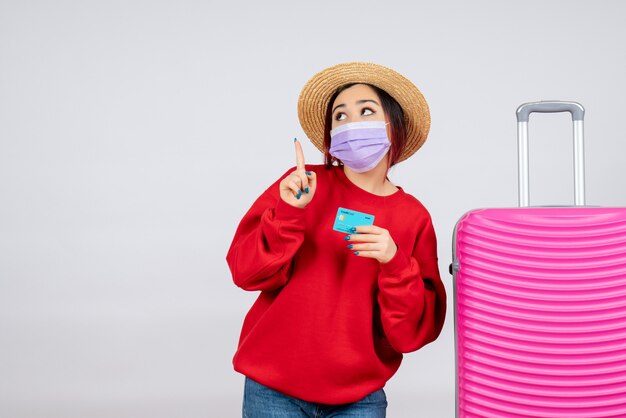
(329, 326)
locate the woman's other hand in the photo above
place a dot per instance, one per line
(373, 242)
(299, 186)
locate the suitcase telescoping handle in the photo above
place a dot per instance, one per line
(578, 114)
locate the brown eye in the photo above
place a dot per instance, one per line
(340, 116)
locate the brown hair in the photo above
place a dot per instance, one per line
(394, 114)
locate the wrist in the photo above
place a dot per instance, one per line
(287, 210)
(390, 256)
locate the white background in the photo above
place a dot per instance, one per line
(134, 135)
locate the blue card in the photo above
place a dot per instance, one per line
(347, 218)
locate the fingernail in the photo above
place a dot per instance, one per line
(353, 229)
(298, 195)
(349, 245)
(308, 173)
(347, 237)
(306, 190)
(356, 253)
(295, 139)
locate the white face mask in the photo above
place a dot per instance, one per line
(360, 145)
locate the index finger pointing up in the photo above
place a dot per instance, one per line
(299, 155)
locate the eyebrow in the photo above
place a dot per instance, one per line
(358, 102)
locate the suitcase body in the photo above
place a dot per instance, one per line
(540, 305)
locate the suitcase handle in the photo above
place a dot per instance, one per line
(578, 114)
(576, 109)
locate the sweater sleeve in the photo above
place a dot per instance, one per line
(411, 295)
(265, 242)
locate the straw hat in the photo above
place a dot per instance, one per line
(315, 95)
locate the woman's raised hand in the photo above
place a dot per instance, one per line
(299, 186)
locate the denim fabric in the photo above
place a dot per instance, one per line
(259, 401)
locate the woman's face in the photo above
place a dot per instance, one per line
(357, 103)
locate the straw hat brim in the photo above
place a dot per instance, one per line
(315, 96)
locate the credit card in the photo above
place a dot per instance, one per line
(347, 218)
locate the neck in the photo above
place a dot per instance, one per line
(373, 181)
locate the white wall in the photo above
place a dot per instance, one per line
(135, 134)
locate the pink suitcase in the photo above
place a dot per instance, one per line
(540, 302)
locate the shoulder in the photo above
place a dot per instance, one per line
(412, 203)
(415, 209)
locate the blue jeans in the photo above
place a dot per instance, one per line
(259, 401)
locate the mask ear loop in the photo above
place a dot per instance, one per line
(388, 152)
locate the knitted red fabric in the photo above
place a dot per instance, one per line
(329, 326)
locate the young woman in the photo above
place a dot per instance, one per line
(346, 261)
